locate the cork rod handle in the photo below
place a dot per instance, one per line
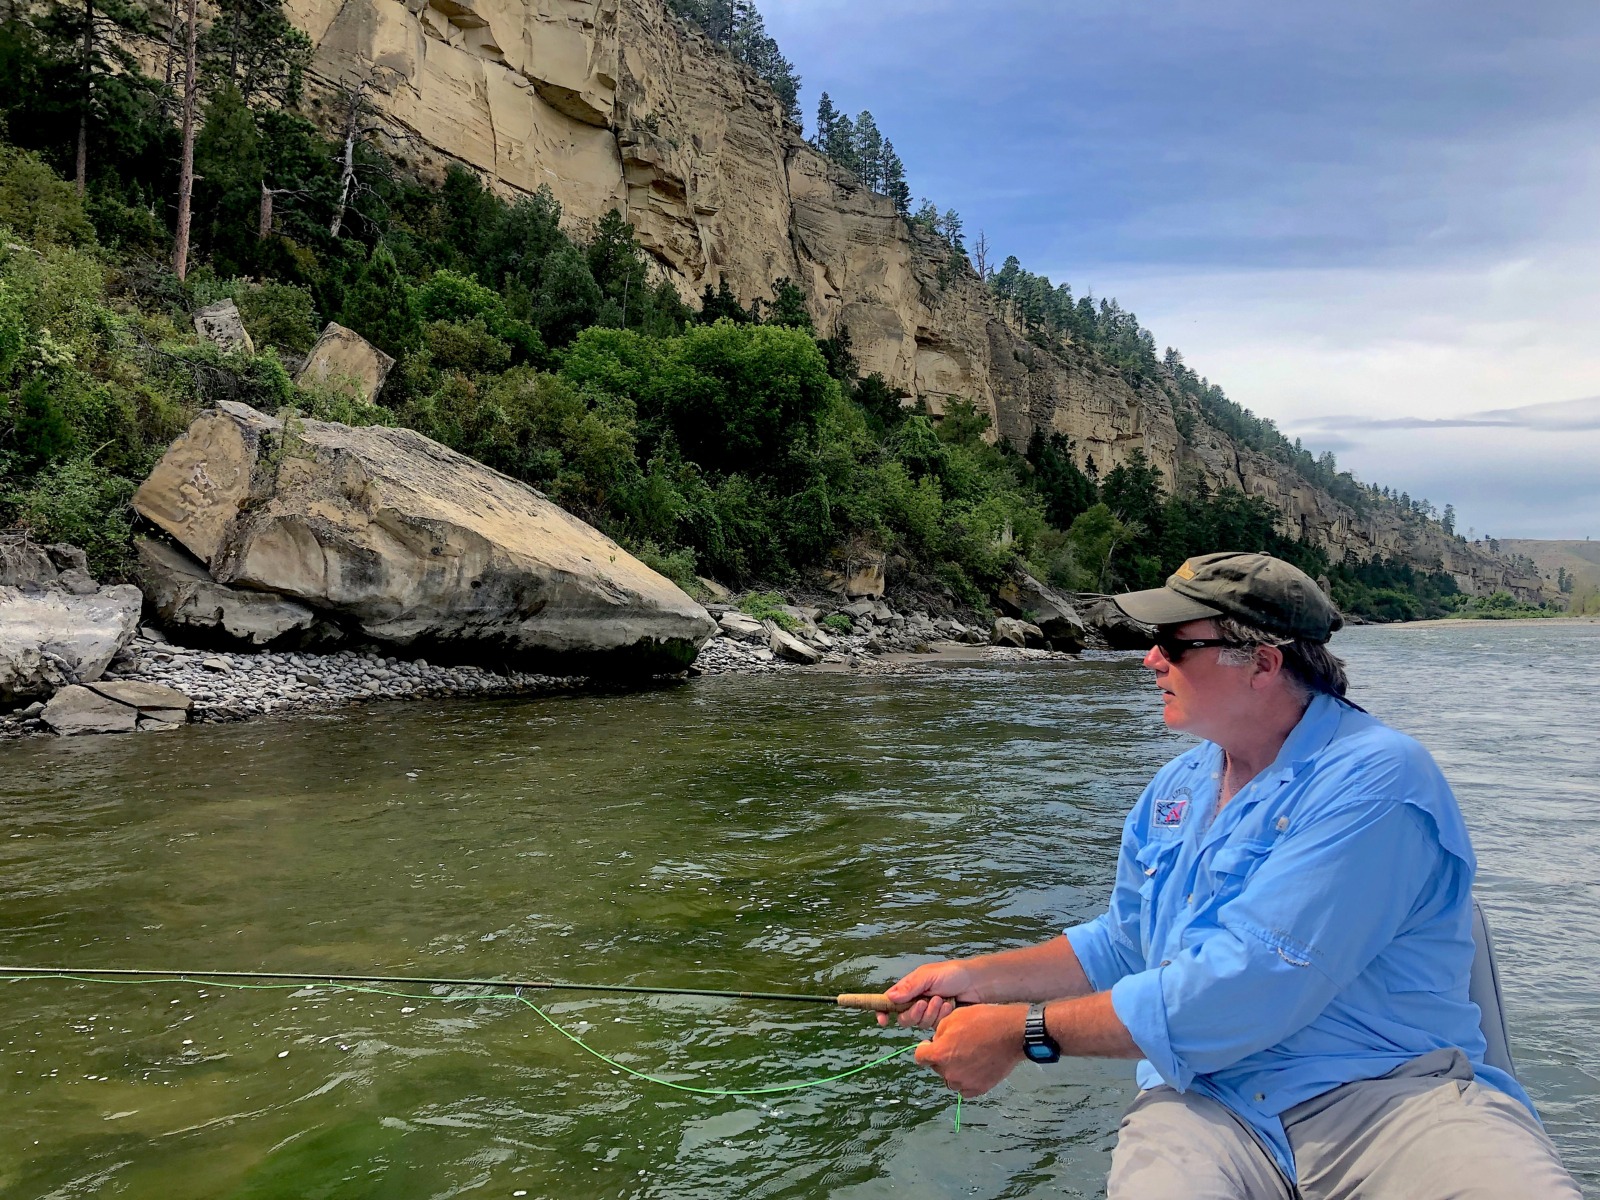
(869, 1001)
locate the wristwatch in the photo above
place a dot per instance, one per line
(1037, 1043)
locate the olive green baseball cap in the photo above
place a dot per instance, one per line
(1257, 588)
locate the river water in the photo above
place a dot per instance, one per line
(801, 833)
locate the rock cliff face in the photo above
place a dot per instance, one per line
(615, 104)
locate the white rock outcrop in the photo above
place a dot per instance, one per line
(222, 326)
(410, 543)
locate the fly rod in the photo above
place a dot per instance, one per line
(865, 1001)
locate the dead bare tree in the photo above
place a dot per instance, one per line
(268, 212)
(356, 108)
(191, 89)
(980, 256)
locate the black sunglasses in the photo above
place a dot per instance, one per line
(1174, 648)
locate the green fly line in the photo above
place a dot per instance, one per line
(769, 1090)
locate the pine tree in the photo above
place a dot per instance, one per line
(617, 267)
(894, 179)
(750, 44)
(789, 306)
(186, 122)
(869, 151)
(841, 144)
(980, 256)
(951, 225)
(379, 305)
(92, 36)
(827, 118)
(252, 46)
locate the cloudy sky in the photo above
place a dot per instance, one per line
(1376, 223)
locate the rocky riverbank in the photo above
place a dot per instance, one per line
(234, 686)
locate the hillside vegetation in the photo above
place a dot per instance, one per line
(709, 438)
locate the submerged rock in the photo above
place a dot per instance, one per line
(414, 545)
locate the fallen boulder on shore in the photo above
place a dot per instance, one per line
(190, 603)
(390, 534)
(1009, 631)
(57, 626)
(1058, 621)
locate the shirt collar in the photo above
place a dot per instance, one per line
(1309, 737)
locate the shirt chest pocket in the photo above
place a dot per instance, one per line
(1155, 861)
(1231, 866)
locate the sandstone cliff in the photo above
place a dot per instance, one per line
(616, 104)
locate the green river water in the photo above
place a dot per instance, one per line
(804, 832)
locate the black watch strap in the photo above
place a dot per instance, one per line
(1037, 1043)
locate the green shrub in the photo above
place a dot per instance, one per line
(838, 623)
(278, 314)
(40, 208)
(768, 606)
(676, 565)
(84, 504)
(467, 347)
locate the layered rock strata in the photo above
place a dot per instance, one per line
(616, 104)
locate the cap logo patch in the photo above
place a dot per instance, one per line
(1185, 572)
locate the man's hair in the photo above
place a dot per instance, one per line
(1311, 666)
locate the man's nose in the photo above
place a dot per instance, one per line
(1155, 660)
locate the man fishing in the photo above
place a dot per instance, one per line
(1288, 943)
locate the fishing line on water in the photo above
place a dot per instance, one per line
(769, 1090)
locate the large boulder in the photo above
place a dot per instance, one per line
(222, 326)
(413, 544)
(743, 628)
(199, 610)
(344, 360)
(1116, 628)
(786, 645)
(1009, 631)
(26, 564)
(1024, 596)
(76, 709)
(50, 638)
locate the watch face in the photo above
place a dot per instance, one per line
(1042, 1054)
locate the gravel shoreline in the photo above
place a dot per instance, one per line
(234, 686)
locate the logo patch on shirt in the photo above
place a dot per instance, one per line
(1169, 812)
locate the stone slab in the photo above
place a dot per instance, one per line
(78, 710)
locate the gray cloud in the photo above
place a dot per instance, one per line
(1561, 416)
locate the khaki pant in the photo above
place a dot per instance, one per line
(1427, 1131)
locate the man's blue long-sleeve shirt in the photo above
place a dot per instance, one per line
(1317, 931)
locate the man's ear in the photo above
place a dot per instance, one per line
(1268, 665)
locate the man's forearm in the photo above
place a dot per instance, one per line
(1088, 1027)
(1049, 971)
